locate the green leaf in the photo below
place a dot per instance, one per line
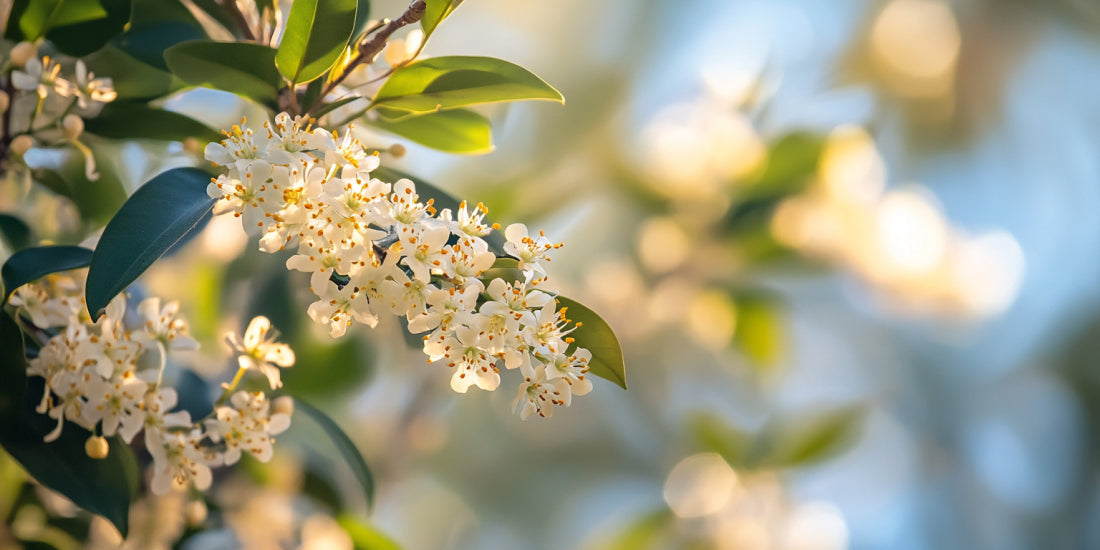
(348, 451)
(362, 17)
(595, 335)
(505, 268)
(734, 444)
(329, 107)
(457, 81)
(157, 216)
(800, 441)
(241, 68)
(434, 14)
(30, 264)
(80, 27)
(316, 33)
(15, 232)
(366, 537)
(13, 370)
(122, 120)
(792, 160)
(760, 332)
(216, 10)
(454, 131)
(133, 79)
(441, 199)
(105, 486)
(148, 42)
(149, 12)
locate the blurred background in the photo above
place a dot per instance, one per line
(849, 248)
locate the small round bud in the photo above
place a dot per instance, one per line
(397, 150)
(283, 405)
(96, 446)
(191, 145)
(22, 53)
(21, 144)
(5, 101)
(195, 513)
(72, 125)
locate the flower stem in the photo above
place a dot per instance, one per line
(231, 387)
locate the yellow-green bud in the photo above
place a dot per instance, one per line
(397, 150)
(72, 125)
(22, 53)
(96, 446)
(21, 144)
(5, 101)
(191, 145)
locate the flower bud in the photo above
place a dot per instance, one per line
(195, 513)
(22, 53)
(191, 145)
(72, 125)
(397, 150)
(5, 101)
(283, 405)
(21, 144)
(96, 446)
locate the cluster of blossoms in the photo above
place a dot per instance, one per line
(105, 376)
(374, 247)
(48, 106)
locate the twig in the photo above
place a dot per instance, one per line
(369, 49)
(235, 12)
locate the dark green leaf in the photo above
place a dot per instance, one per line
(132, 79)
(121, 120)
(15, 232)
(366, 537)
(159, 214)
(13, 370)
(595, 335)
(29, 264)
(348, 451)
(435, 13)
(441, 199)
(316, 33)
(148, 42)
(457, 81)
(149, 12)
(241, 68)
(454, 131)
(104, 486)
(80, 27)
(217, 11)
(362, 17)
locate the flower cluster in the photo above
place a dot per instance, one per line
(47, 106)
(373, 247)
(105, 376)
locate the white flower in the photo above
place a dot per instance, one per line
(528, 250)
(163, 325)
(246, 426)
(41, 75)
(88, 88)
(473, 366)
(573, 369)
(338, 307)
(117, 404)
(469, 223)
(425, 252)
(538, 395)
(259, 351)
(178, 461)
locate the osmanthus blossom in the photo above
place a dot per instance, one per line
(90, 90)
(41, 76)
(371, 247)
(259, 351)
(538, 395)
(96, 377)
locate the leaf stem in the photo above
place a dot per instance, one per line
(368, 49)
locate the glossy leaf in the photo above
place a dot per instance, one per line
(348, 451)
(148, 42)
(76, 27)
(596, 335)
(454, 131)
(241, 68)
(362, 17)
(457, 81)
(434, 14)
(133, 79)
(15, 232)
(157, 216)
(13, 370)
(316, 33)
(105, 486)
(29, 264)
(366, 537)
(120, 120)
